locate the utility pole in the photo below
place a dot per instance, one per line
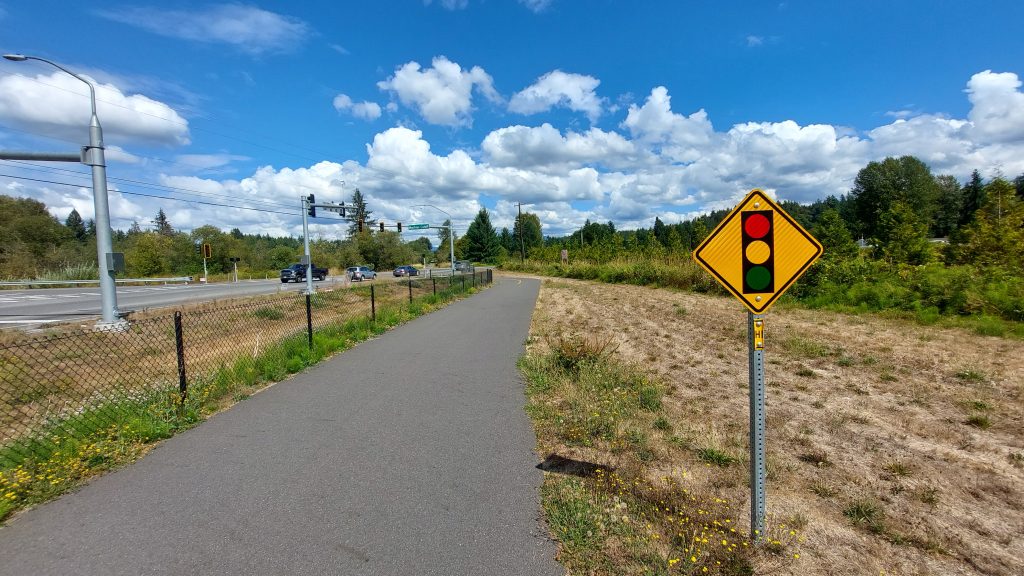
(93, 156)
(522, 244)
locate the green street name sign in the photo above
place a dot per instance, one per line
(418, 226)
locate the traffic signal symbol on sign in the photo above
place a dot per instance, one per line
(758, 251)
(758, 257)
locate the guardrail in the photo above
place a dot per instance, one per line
(31, 283)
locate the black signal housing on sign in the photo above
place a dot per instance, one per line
(758, 229)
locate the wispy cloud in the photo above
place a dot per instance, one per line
(536, 6)
(339, 49)
(753, 41)
(248, 28)
(449, 4)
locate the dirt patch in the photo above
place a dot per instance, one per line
(894, 448)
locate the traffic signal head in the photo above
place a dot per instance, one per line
(758, 229)
(207, 251)
(199, 249)
(310, 205)
(342, 209)
(399, 227)
(382, 226)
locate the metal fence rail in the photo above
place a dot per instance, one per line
(54, 388)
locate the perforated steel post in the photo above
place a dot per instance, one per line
(755, 344)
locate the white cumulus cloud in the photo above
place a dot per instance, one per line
(556, 88)
(545, 147)
(58, 105)
(365, 110)
(997, 110)
(442, 94)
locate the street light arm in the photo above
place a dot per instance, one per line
(22, 58)
(451, 233)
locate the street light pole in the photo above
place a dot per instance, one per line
(451, 234)
(93, 156)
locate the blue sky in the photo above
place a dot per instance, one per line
(600, 110)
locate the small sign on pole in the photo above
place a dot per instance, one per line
(757, 252)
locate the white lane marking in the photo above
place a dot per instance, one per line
(68, 295)
(28, 321)
(38, 297)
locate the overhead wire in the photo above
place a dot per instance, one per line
(185, 191)
(122, 191)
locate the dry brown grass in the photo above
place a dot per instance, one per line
(919, 427)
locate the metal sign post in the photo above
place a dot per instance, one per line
(755, 356)
(757, 252)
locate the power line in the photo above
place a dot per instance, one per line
(73, 185)
(185, 191)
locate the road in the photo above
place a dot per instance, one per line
(36, 308)
(409, 454)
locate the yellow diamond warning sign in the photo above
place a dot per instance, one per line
(758, 251)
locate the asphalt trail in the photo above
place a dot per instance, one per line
(408, 455)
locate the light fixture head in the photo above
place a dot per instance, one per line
(16, 57)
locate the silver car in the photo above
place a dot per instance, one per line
(360, 273)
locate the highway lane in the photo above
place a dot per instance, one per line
(29, 309)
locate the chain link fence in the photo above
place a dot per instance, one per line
(65, 386)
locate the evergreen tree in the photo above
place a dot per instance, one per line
(996, 235)
(481, 239)
(75, 223)
(660, 231)
(973, 198)
(950, 205)
(1019, 184)
(356, 211)
(163, 226)
(831, 231)
(901, 237)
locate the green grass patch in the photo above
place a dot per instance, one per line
(715, 456)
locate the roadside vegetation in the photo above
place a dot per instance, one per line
(617, 495)
(892, 447)
(87, 446)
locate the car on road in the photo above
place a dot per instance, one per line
(406, 271)
(297, 273)
(360, 273)
(463, 266)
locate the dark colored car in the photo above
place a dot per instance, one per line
(297, 273)
(406, 271)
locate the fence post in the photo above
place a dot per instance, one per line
(433, 281)
(179, 344)
(309, 322)
(410, 290)
(373, 305)
(463, 281)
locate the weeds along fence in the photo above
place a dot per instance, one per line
(59, 388)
